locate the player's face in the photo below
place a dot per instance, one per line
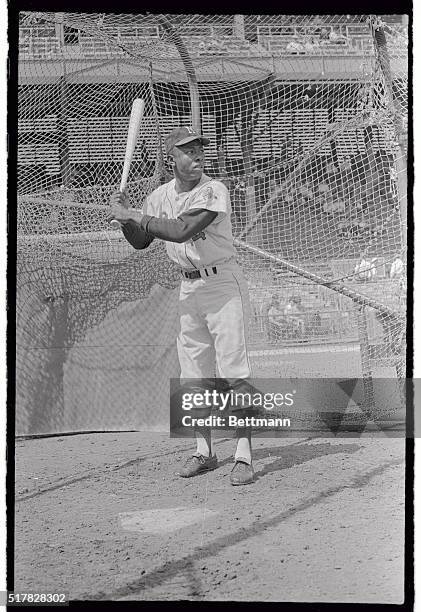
(189, 160)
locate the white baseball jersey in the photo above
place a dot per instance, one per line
(212, 246)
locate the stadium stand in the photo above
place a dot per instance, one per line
(278, 38)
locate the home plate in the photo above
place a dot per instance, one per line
(163, 520)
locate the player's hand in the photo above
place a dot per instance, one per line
(118, 212)
(120, 198)
(119, 204)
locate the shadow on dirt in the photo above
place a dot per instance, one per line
(289, 457)
(294, 454)
(186, 564)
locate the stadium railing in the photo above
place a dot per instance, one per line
(37, 41)
(348, 31)
(279, 46)
(50, 48)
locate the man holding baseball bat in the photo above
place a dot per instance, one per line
(192, 213)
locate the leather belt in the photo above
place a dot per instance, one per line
(199, 273)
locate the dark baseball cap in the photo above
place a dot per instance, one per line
(182, 135)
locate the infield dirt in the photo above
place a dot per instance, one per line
(323, 522)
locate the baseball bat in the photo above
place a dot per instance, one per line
(136, 115)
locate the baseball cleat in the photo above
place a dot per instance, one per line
(197, 464)
(242, 473)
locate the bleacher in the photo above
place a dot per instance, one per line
(327, 316)
(309, 40)
(37, 42)
(304, 126)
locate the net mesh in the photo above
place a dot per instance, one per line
(307, 117)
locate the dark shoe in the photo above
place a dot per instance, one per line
(242, 473)
(197, 464)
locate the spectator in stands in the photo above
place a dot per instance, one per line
(324, 36)
(322, 196)
(290, 199)
(333, 206)
(316, 44)
(328, 201)
(294, 313)
(347, 229)
(275, 192)
(216, 47)
(331, 169)
(363, 226)
(275, 319)
(346, 165)
(336, 37)
(363, 268)
(397, 274)
(305, 191)
(393, 177)
(308, 44)
(396, 269)
(294, 47)
(314, 323)
(323, 188)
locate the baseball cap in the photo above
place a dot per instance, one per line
(182, 135)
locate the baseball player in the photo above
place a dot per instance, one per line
(192, 213)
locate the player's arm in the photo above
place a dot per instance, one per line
(209, 205)
(181, 229)
(133, 233)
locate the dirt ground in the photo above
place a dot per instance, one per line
(103, 517)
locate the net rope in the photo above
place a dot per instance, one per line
(307, 117)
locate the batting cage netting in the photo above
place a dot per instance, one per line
(307, 117)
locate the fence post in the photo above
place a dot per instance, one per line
(367, 375)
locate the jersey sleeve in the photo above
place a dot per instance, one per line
(147, 208)
(152, 202)
(213, 196)
(181, 229)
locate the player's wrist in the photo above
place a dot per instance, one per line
(135, 215)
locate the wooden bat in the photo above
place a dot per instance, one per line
(136, 115)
